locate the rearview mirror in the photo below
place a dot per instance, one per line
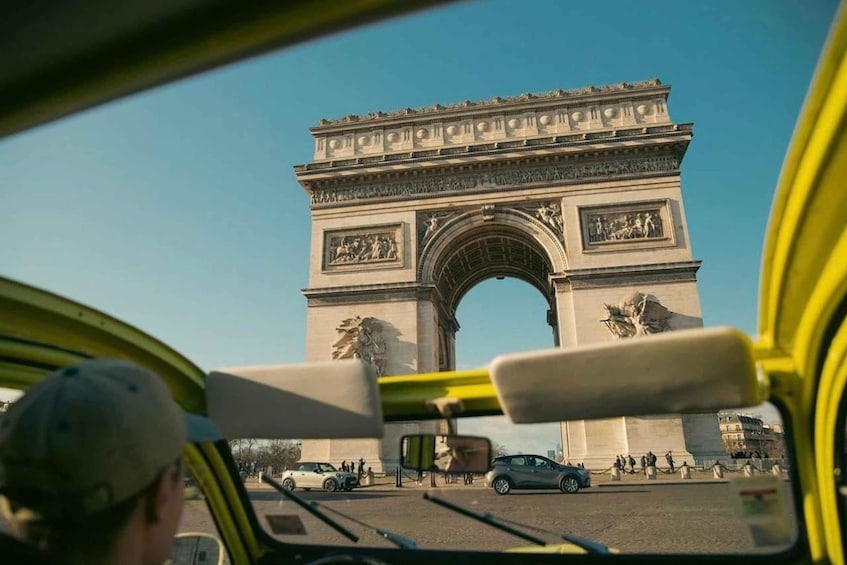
(450, 454)
(196, 549)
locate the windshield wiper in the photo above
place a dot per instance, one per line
(310, 509)
(588, 545)
(400, 541)
(575, 540)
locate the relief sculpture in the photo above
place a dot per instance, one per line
(551, 214)
(432, 223)
(475, 181)
(362, 248)
(623, 226)
(639, 314)
(361, 338)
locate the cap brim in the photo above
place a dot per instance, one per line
(201, 429)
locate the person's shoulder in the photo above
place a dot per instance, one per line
(13, 550)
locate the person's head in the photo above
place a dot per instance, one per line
(90, 458)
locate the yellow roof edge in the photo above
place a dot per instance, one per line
(42, 330)
(789, 201)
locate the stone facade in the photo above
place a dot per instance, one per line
(576, 192)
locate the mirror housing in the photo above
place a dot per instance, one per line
(445, 453)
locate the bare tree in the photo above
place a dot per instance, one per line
(498, 449)
(278, 454)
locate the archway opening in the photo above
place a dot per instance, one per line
(489, 251)
(496, 316)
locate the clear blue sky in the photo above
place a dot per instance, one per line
(178, 211)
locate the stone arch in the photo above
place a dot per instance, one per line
(477, 245)
(549, 173)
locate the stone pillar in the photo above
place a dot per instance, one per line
(685, 472)
(616, 474)
(717, 471)
(651, 473)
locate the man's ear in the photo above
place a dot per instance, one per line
(163, 492)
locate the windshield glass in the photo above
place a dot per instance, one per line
(698, 503)
(429, 193)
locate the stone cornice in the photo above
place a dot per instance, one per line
(524, 119)
(376, 293)
(627, 275)
(495, 150)
(576, 95)
(351, 294)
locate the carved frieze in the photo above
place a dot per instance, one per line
(374, 245)
(493, 180)
(630, 225)
(361, 338)
(638, 314)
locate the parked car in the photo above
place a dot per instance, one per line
(532, 472)
(309, 475)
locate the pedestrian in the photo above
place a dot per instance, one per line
(644, 464)
(91, 463)
(669, 459)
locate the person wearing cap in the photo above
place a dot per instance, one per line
(91, 464)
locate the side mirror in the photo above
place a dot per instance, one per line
(196, 549)
(450, 454)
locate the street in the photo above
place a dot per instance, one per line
(636, 517)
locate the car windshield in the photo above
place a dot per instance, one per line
(426, 194)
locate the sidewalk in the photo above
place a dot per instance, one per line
(598, 480)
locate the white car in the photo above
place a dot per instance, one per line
(309, 475)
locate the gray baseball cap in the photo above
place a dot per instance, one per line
(90, 436)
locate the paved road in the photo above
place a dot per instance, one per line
(651, 518)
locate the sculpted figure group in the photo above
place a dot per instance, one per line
(640, 314)
(644, 224)
(362, 248)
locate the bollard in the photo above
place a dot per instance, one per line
(776, 470)
(748, 470)
(616, 474)
(685, 472)
(651, 473)
(398, 479)
(717, 470)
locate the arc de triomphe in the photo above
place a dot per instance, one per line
(575, 192)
